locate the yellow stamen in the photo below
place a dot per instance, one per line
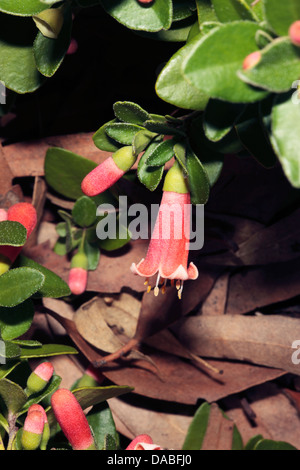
(148, 289)
(156, 291)
(163, 289)
(146, 282)
(178, 285)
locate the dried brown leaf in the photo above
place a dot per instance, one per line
(261, 339)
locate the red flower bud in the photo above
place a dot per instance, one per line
(294, 33)
(77, 280)
(251, 60)
(32, 430)
(46, 431)
(39, 378)
(72, 420)
(25, 214)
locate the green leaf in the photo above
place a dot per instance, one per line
(84, 211)
(268, 444)
(162, 153)
(219, 118)
(216, 73)
(122, 132)
(163, 128)
(6, 369)
(182, 9)
(141, 140)
(285, 131)
(102, 423)
(53, 285)
(49, 53)
(237, 441)
(130, 112)
(136, 16)
(24, 7)
(172, 87)
(233, 10)
(197, 428)
(178, 32)
(16, 38)
(211, 159)
(198, 179)
(93, 255)
(12, 233)
(109, 443)
(149, 176)
(46, 350)
(93, 395)
(206, 11)
(65, 170)
(277, 69)
(180, 155)
(280, 15)
(17, 285)
(253, 441)
(103, 142)
(15, 321)
(13, 395)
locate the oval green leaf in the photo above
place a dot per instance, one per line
(84, 211)
(285, 131)
(12, 233)
(15, 321)
(122, 132)
(65, 170)
(215, 59)
(198, 178)
(53, 285)
(130, 112)
(172, 87)
(136, 16)
(162, 153)
(17, 285)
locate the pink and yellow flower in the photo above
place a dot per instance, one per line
(168, 251)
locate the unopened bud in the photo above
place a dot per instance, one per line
(32, 430)
(108, 172)
(72, 420)
(46, 431)
(39, 378)
(251, 60)
(294, 33)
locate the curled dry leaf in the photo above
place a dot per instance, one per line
(261, 339)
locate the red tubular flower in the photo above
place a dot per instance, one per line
(24, 213)
(109, 172)
(143, 442)
(72, 420)
(168, 250)
(294, 33)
